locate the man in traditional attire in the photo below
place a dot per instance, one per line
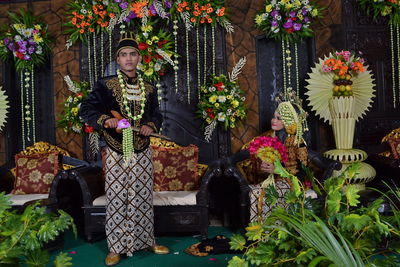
(128, 176)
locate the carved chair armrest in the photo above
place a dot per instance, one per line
(214, 171)
(89, 179)
(381, 161)
(323, 163)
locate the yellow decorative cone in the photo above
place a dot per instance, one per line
(343, 121)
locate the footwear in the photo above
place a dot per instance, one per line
(112, 259)
(159, 249)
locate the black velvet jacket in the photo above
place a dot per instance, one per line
(107, 96)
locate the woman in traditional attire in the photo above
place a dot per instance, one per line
(127, 161)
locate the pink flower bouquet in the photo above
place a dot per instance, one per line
(268, 149)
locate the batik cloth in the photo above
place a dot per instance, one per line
(259, 209)
(129, 202)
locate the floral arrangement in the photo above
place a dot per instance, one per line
(383, 8)
(144, 8)
(156, 50)
(26, 41)
(222, 102)
(70, 120)
(344, 64)
(268, 149)
(287, 19)
(203, 12)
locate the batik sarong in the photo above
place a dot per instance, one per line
(259, 209)
(129, 202)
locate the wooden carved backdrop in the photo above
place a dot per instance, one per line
(179, 120)
(361, 33)
(270, 79)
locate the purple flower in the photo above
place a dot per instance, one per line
(304, 11)
(306, 19)
(31, 42)
(22, 44)
(153, 10)
(274, 23)
(124, 123)
(27, 57)
(6, 41)
(130, 16)
(288, 24)
(11, 47)
(274, 13)
(31, 49)
(297, 26)
(123, 5)
(168, 4)
(22, 50)
(292, 14)
(117, 1)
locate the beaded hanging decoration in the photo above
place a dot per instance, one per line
(130, 94)
(295, 123)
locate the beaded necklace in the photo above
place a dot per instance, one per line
(131, 92)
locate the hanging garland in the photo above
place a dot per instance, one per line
(288, 21)
(391, 9)
(4, 105)
(26, 42)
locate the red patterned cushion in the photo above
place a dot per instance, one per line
(395, 146)
(34, 173)
(175, 169)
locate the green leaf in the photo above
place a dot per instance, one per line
(333, 202)
(355, 222)
(305, 255)
(63, 260)
(237, 242)
(37, 258)
(351, 192)
(237, 262)
(271, 195)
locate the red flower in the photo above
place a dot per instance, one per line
(79, 94)
(147, 59)
(211, 115)
(161, 73)
(208, 110)
(289, 30)
(158, 56)
(88, 128)
(143, 46)
(219, 86)
(19, 55)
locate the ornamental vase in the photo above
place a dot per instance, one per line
(343, 121)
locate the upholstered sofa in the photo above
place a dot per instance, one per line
(80, 191)
(31, 170)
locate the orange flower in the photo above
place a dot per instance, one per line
(221, 12)
(81, 16)
(95, 9)
(196, 13)
(193, 20)
(209, 10)
(74, 13)
(338, 64)
(330, 62)
(111, 15)
(81, 30)
(73, 20)
(343, 70)
(358, 66)
(209, 20)
(202, 20)
(91, 29)
(137, 7)
(179, 9)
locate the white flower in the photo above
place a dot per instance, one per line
(83, 11)
(276, 30)
(157, 66)
(243, 98)
(229, 111)
(305, 2)
(39, 50)
(17, 38)
(211, 89)
(221, 98)
(70, 99)
(278, 17)
(221, 116)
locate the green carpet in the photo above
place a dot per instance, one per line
(92, 254)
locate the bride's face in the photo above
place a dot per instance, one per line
(276, 122)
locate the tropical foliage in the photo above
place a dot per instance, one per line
(25, 41)
(22, 236)
(333, 229)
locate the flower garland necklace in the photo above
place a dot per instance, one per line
(130, 92)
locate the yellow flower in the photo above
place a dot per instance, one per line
(216, 105)
(154, 39)
(314, 12)
(229, 97)
(147, 28)
(235, 103)
(19, 26)
(37, 38)
(208, 120)
(289, 6)
(74, 111)
(175, 185)
(268, 8)
(170, 172)
(258, 19)
(297, 3)
(213, 99)
(149, 42)
(300, 16)
(284, 1)
(38, 27)
(35, 176)
(149, 72)
(386, 11)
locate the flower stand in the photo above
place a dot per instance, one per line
(343, 124)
